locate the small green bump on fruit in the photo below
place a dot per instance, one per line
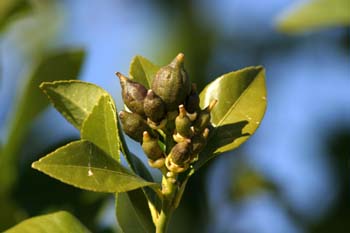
(133, 125)
(203, 119)
(133, 94)
(154, 107)
(183, 123)
(172, 83)
(199, 142)
(151, 147)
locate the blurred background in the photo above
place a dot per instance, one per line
(292, 176)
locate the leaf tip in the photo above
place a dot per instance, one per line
(260, 69)
(34, 165)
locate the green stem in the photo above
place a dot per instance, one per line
(169, 190)
(163, 221)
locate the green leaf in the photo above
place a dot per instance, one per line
(30, 102)
(9, 9)
(315, 14)
(132, 212)
(58, 222)
(240, 108)
(75, 100)
(142, 71)
(100, 127)
(84, 165)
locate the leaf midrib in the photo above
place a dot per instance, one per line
(237, 101)
(109, 136)
(87, 168)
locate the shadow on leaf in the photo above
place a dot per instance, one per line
(219, 137)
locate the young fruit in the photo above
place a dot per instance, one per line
(183, 123)
(203, 119)
(172, 83)
(133, 94)
(154, 107)
(133, 125)
(180, 154)
(151, 147)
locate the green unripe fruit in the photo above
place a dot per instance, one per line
(172, 83)
(133, 94)
(203, 119)
(199, 141)
(154, 107)
(133, 125)
(180, 154)
(151, 147)
(183, 123)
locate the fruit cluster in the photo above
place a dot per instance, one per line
(166, 119)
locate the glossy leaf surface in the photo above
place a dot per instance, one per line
(84, 165)
(142, 71)
(132, 212)
(100, 127)
(240, 108)
(75, 100)
(315, 14)
(59, 222)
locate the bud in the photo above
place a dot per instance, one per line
(180, 154)
(192, 102)
(133, 125)
(154, 107)
(203, 120)
(133, 94)
(151, 147)
(183, 123)
(172, 83)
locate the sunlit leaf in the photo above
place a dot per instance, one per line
(59, 65)
(73, 99)
(133, 213)
(84, 165)
(240, 108)
(142, 71)
(58, 222)
(314, 14)
(100, 127)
